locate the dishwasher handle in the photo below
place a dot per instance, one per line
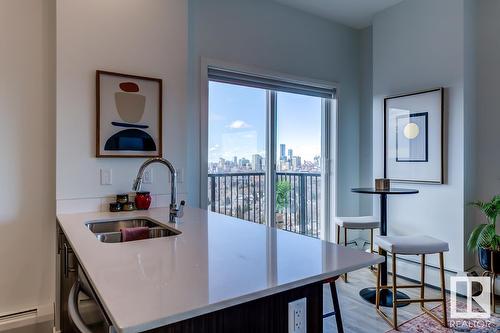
(73, 312)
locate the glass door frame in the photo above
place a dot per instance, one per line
(329, 134)
(271, 145)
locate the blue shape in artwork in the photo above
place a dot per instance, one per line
(131, 139)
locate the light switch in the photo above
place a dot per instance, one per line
(148, 176)
(106, 177)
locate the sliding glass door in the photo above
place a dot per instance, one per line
(298, 167)
(268, 148)
(237, 151)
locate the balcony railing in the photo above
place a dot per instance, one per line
(242, 195)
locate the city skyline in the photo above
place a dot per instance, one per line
(285, 162)
(237, 123)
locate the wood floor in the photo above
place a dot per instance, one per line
(36, 328)
(360, 316)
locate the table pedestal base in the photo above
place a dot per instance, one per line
(385, 297)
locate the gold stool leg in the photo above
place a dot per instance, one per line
(377, 288)
(443, 288)
(394, 294)
(371, 240)
(345, 244)
(422, 280)
(371, 246)
(444, 320)
(493, 278)
(338, 234)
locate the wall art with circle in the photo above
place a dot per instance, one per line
(413, 137)
(129, 113)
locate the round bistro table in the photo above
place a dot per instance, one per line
(386, 294)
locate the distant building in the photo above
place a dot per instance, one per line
(222, 163)
(317, 160)
(282, 151)
(283, 165)
(286, 162)
(296, 163)
(257, 162)
(244, 163)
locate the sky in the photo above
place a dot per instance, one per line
(237, 123)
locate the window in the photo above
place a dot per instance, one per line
(268, 150)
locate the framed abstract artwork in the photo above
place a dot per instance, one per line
(413, 137)
(129, 113)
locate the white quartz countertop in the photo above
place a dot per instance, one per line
(216, 262)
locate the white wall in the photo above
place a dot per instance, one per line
(142, 37)
(366, 119)
(27, 133)
(488, 116)
(269, 36)
(488, 79)
(470, 121)
(419, 45)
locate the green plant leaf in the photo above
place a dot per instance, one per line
(283, 188)
(496, 243)
(491, 208)
(484, 235)
(487, 237)
(473, 243)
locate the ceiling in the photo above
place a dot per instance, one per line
(354, 13)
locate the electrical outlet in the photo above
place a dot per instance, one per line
(106, 177)
(297, 316)
(148, 176)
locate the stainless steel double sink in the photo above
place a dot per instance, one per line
(110, 231)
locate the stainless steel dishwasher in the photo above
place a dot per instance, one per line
(80, 310)
(84, 310)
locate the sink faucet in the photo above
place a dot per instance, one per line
(175, 210)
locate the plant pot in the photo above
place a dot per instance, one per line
(485, 259)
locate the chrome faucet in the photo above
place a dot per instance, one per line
(175, 210)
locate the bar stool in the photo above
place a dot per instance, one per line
(356, 223)
(412, 245)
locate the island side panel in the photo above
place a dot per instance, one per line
(265, 315)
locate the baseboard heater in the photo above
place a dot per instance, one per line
(19, 315)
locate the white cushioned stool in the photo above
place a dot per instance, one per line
(356, 223)
(412, 245)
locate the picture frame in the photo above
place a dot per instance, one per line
(413, 137)
(128, 115)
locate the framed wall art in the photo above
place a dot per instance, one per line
(129, 113)
(413, 137)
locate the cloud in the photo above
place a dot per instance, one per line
(238, 124)
(214, 148)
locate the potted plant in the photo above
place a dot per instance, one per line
(283, 188)
(484, 237)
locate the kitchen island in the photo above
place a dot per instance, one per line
(219, 274)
